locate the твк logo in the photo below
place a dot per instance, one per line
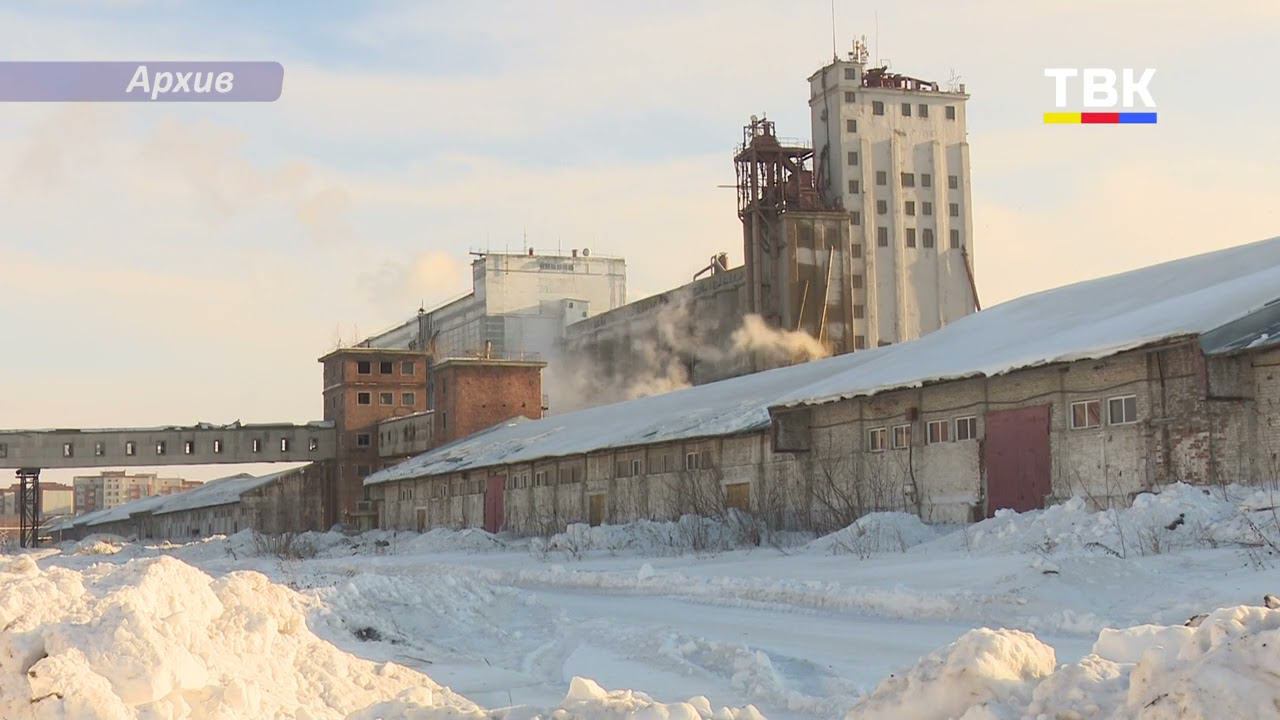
(1098, 90)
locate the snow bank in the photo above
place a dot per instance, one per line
(879, 532)
(982, 668)
(158, 638)
(1222, 668)
(689, 534)
(586, 700)
(1179, 516)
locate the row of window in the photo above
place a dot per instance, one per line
(162, 447)
(1085, 414)
(926, 237)
(907, 180)
(921, 109)
(407, 399)
(909, 208)
(385, 367)
(936, 431)
(1121, 410)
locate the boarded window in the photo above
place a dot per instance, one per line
(738, 496)
(791, 431)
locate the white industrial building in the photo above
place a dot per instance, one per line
(893, 151)
(519, 306)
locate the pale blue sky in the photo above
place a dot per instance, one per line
(172, 263)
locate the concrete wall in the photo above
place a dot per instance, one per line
(1199, 420)
(194, 445)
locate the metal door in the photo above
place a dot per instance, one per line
(494, 489)
(1015, 456)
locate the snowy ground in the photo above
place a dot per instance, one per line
(795, 630)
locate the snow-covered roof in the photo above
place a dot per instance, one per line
(1090, 319)
(215, 492)
(727, 407)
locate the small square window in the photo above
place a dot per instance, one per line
(953, 209)
(882, 236)
(951, 112)
(926, 208)
(313, 444)
(967, 428)
(859, 312)
(130, 448)
(882, 207)
(691, 461)
(364, 367)
(99, 449)
(882, 177)
(386, 367)
(851, 125)
(1122, 410)
(364, 398)
(255, 445)
(853, 187)
(922, 110)
(908, 179)
(161, 447)
(386, 398)
(901, 437)
(855, 281)
(68, 450)
(217, 447)
(926, 180)
(850, 96)
(407, 367)
(911, 237)
(953, 182)
(637, 467)
(284, 444)
(877, 108)
(855, 218)
(855, 249)
(910, 207)
(188, 447)
(906, 109)
(853, 158)
(939, 431)
(1086, 414)
(363, 440)
(955, 239)
(408, 399)
(876, 439)
(850, 73)
(859, 342)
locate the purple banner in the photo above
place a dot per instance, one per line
(165, 81)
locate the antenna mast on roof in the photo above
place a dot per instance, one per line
(835, 55)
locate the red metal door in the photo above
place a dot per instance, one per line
(493, 503)
(1015, 456)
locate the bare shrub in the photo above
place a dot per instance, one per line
(286, 546)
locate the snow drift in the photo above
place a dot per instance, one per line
(1222, 668)
(158, 638)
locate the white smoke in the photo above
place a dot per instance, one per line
(680, 348)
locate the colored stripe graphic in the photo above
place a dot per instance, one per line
(1096, 118)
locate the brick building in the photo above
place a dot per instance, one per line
(378, 398)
